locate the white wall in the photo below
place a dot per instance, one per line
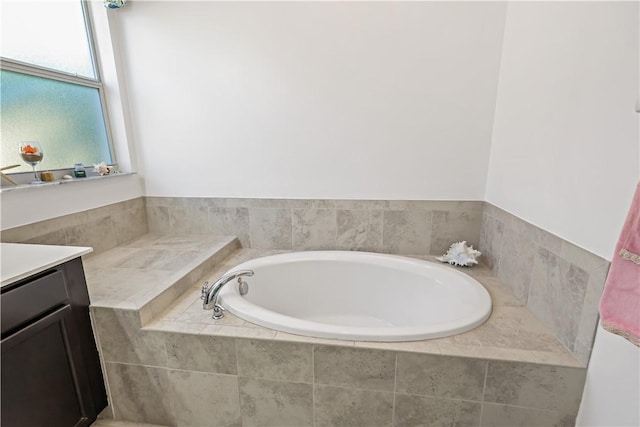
(313, 99)
(565, 153)
(37, 204)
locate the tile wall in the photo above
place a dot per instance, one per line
(559, 282)
(101, 228)
(397, 227)
(192, 380)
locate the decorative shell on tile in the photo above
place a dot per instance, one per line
(102, 168)
(460, 254)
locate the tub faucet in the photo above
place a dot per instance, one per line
(210, 293)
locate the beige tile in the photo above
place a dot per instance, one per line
(442, 376)
(407, 232)
(130, 224)
(314, 229)
(352, 367)
(97, 234)
(158, 219)
(509, 327)
(337, 406)
(57, 237)
(122, 283)
(275, 360)
(557, 294)
(118, 423)
(454, 226)
(189, 219)
(188, 242)
(239, 332)
(515, 264)
(201, 353)
(491, 236)
(122, 340)
(589, 315)
(582, 258)
(497, 213)
(231, 222)
(139, 393)
(310, 204)
(424, 346)
(112, 258)
(500, 295)
(203, 399)
(196, 314)
(536, 386)
(533, 234)
(181, 304)
(172, 326)
(346, 204)
(511, 416)
(275, 403)
(270, 228)
(283, 336)
(359, 230)
(427, 411)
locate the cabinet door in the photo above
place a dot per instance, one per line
(41, 385)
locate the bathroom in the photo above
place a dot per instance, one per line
(269, 120)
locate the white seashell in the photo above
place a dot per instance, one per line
(102, 168)
(460, 254)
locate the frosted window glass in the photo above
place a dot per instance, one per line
(65, 118)
(51, 34)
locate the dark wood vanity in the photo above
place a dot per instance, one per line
(51, 373)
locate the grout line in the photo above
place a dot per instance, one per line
(235, 348)
(313, 384)
(484, 389)
(395, 389)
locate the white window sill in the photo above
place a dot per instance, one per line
(6, 187)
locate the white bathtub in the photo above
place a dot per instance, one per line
(358, 296)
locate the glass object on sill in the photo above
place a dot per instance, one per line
(68, 116)
(78, 171)
(31, 153)
(114, 4)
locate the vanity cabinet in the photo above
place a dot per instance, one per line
(51, 373)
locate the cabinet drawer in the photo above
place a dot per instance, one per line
(25, 302)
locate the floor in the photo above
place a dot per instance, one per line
(114, 423)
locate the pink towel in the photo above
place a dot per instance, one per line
(620, 302)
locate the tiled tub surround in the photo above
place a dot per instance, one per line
(392, 226)
(557, 281)
(102, 228)
(183, 368)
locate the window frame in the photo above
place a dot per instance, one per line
(52, 74)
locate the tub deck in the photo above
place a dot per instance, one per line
(161, 278)
(167, 362)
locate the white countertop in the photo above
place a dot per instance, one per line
(20, 260)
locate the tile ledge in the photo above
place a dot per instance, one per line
(22, 187)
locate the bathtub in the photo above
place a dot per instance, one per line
(358, 296)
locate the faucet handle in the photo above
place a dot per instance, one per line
(205, 290)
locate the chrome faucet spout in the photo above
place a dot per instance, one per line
(210, 293)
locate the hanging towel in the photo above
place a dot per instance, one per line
(620, 302)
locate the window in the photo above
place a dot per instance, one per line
(50, 88)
